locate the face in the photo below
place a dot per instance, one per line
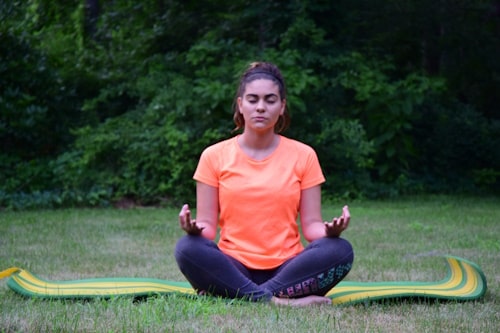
(261, 105)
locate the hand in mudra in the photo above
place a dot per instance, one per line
(338, 224)
(187, 224)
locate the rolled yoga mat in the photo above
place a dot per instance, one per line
(465, 281)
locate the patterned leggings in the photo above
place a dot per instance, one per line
(314, 271)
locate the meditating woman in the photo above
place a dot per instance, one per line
(254, 186)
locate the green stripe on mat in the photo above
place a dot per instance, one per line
(465, 281)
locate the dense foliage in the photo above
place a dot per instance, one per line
(102, 101)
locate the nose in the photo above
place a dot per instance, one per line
(260, 106)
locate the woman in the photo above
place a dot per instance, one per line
(254, 186)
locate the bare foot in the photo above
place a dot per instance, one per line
(299, 302)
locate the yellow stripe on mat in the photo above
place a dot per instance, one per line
(465, 281)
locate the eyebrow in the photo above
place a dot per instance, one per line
(266, 96)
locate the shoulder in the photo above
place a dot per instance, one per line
(219, 147)
(298, 146)
(211, 161)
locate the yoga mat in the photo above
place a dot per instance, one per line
(465, 281)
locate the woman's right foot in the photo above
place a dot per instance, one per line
(299, 302)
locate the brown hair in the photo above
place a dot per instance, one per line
(261, 70)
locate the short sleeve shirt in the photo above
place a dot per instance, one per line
(259, 200)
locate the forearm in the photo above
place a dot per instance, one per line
(313, 230)
(208, 230)
(207, 203)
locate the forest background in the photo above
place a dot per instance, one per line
(111, 102)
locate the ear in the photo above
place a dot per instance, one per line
(283, 106)
(239, 101)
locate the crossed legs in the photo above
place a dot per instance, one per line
(301, 280)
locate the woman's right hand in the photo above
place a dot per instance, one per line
(187, 224)
(338, 224)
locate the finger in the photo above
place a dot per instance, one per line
(332, 230)
(184, 215)
(346, 215)
(346, 223)
(345, 212)
(338, 223)
(329, 225)
(184, 208)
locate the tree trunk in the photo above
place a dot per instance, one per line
(91, 16)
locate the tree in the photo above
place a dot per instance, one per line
(108, 99)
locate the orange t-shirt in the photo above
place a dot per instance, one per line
(259, 200)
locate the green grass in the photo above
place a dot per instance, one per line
(393, 240)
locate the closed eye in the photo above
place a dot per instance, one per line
(271, 98)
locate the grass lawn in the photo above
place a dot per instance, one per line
(393, 240)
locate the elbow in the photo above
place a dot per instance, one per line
(308, 236)
(209, 233)
(313, 231)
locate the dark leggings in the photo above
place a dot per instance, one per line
(314, 271)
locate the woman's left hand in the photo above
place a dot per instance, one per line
(187, 224)
(338, 224)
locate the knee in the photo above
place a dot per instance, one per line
(186, 243)
(341, 247)
(189, 246)
(348, 249)
(344, 246)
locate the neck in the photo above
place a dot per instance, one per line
(258, 146)
(255, 140)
